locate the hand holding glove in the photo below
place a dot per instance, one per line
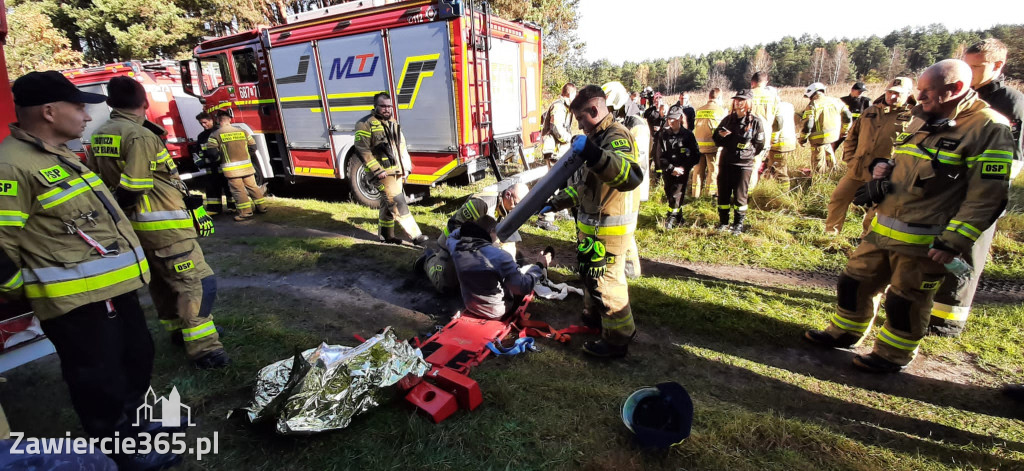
(583, 147)
(873, 192)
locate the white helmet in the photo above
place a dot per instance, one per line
(814, 88)
(616, 95)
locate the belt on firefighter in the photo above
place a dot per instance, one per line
(596, 225)
(916, 234)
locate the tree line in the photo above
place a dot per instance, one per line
(798, 61)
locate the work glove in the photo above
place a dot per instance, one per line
(385, 150)
(873, 192)
(202, 222)
(125, 199)
(592, 258)
(546, 209)
(585, 148)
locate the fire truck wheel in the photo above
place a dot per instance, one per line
(364, 186)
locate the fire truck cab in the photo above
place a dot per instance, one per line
(464, 85)
(169, 105)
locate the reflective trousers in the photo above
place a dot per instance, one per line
(912, 282)
(704, 176)
(242, 188)
(733, 184)
(953, 301)
(216, 189)
(106, 357)
(823, 159)
(184, 288)
(395, 208)
(607, 296)
(776, 167)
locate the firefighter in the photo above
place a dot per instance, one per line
(129, 156)
(607, 212)
(947, 182)
(870, 136)
(741, 137)
(555, 134)
(233, 147)
(69, 250)
(783, 143)
(676, 152)
(825, 120)
(765, 106)
(703, 180)
(381, 145)
(437, 263)
(216, 184)
(655, 120)
(953, 301)
(628, 114)
(857, 103)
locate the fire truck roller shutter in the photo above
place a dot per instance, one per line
(422, 74)
(354, 70)
(305, 126)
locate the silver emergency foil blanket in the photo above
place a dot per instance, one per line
(323, 388)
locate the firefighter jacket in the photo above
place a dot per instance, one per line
(765, 105)
(824, 120)
(707, 119)
(784, 129)
(129, 156)
(64, 243)
(488, 276)
(857, 105)
(209, 160)
(232, 145)
(676, 150)
(1008, 102)
(604, 196)
(381, 145)
(746, 139)
(871, 137)
(556, 127)
(654, 119)
(950, 180)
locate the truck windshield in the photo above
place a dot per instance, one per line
(215, 72)
(245, 66)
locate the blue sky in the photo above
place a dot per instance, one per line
(669, 28)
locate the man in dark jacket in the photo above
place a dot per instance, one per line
(857, 102)
(675, 153)
(741, 137)
(489, 278)
(683, 106)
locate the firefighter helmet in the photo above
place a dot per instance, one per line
(660, 416)
(814, 88)
(616, 95)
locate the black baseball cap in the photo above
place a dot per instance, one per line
(744, 94)
(860, 86)
(40, 88)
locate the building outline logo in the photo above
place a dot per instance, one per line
(170, 408)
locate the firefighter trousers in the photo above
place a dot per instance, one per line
(776, 167)
(839, 204)
(394, 207)
(247, 193)
(733, 183)
(912, 282)
(704, 176)
(675, 189)
(106, 358)
(953, 301)
(216, 189)
(184, 288)
(823, 159)
(606, 295)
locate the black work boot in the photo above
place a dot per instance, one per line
(723, 221)
(602, 349)
(213, 360)
(670, 220)
(824, 339)
(738, 227)
(873, 363)
(940, 327)
(420, 240)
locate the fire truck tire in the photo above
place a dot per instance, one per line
(363, 185)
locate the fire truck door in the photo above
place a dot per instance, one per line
(422, 71)
(354, 70)
(305, 124)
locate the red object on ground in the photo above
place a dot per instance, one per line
(433, 401)
(466, 390)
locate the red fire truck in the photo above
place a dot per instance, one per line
(465, 84)
(169, 105)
